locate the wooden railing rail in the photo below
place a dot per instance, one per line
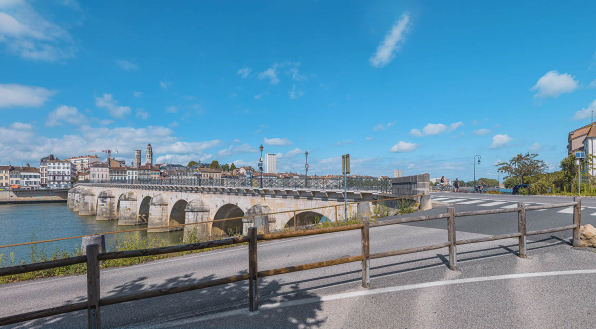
(93, 258)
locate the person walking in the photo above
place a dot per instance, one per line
(456, 185)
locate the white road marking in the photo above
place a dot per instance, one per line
(511, 206)
(566, 211)
(369, 292)
(491, 204)
(470, 202)
(453, 200)
(439, 199)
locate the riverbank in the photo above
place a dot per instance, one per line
(30, 201)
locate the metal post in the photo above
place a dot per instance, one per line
(345, 197)
(579, 174)
(577, 220)
(253, 289)
(365, 253)
(295, 220)
(93, 312)
(521, 224)
(452, 240)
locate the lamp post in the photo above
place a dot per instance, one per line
(306, 169)
(261, 164)
(479, 157)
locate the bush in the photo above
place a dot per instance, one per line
(523, 191)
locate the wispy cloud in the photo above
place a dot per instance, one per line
(172, 109)
(585, 113)
(277, 141)
(142, 114)
(244, 72)
(433, 129)
(270, 74)
(295, 93)
(391, 45)
(111, 105)
(482, 131)
(500, 140)
(68, 114)
(239, 149)
(164, 85)
(12, 95)
(138, 93)
(381, 127)
(126, 65)
(553, 84)
(403, 147)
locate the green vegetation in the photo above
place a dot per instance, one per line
(192, 163)
(214, 164)
(232, 166)
(522, 165)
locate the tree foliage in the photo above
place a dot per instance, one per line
(192, 163)
(489, 182)
(522, 165)
(232, 166)
(214, 164)
(225, 167)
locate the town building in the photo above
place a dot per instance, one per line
(43, 169)
(208, 173)
(60, 173)
(576, 138)
(99, 172)
(271, 163)
(118, 173)
(83, 162)
(15, 177)
(30, 177)
(132, 174)
(5, 176)
(396, 173)
(113, 163)
(137, 158)
(590, 148)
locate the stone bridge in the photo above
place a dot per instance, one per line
(163, 205)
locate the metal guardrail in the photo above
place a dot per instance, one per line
(93, 258)
(316, 183)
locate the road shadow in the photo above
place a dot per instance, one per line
(186, 309)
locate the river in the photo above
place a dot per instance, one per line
(24, 223)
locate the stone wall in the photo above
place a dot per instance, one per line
(413, 185)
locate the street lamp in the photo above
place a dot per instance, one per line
(479, 157)
(261, 164)
(306, 169)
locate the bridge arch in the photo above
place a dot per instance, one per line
(105, 206)
(144, 207)
(306, 218)
(228, 227)
(178, 214)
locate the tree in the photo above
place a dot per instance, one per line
(490, 182)
(214, 164)
(225, 167)
(192, 163)
(522, 165)
(232, 166)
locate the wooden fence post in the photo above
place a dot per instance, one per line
(253, 289)
(365, 253)
(452, 239)
(577, 220)
(336, 210)
(93, 312)
(521, 225)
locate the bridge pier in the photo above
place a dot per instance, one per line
(106, 207)
(87, 204)
(76, 201)
(196, 213)
(158, 215)
(71, 199)
(262, 223)
(127, 212)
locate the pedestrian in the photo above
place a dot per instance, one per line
(443, 182)
(456, 185)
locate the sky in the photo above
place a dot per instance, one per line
(417, 86)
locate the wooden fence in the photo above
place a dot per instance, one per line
(93, 257)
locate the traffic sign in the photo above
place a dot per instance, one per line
(306, 166)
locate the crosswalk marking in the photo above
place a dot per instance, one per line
(439, 199)
(566, 211)
(453, 200)
(510, 206)
(471, 202)
(491, 204)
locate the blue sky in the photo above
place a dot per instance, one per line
(421, 87)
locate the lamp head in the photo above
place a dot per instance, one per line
(261, 148)
(306, 154)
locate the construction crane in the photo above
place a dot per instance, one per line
(109, 152)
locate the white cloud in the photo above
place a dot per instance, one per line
(293, 153)
(126, 65)
(138, 93)
(240, 149)
(277, 141)
(592, 84)
(105, 122)
(295, 93)
(411, 165)
(110, 104)
(482, 131)
(183, 158)
(164, 85)
(381, 127)
(404, 147)
(64, 113)
(391, 45)
(553, 84)
(174, 124)
(26, 33)
(244, 72)
(349, 141)
(172, 109)
(270, 74)
(369, 139)
(260, 95)
(236, 140)
(585, 113)
(295, 75)
(475, 122)
(535, 147)
(500, 140)
(20, 95)
(455, 125)
(142, 114)
(416, 132)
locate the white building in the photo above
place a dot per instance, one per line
(271, 163)
(396, 173)
(84, 162)
(132, 174)
(60, 174)
(43, 169)
(30, 178)
(590, 148)
(99, 172)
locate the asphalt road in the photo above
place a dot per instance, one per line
(491, 287)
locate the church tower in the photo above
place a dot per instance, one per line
(149, 155)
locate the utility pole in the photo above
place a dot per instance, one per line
(345, 168)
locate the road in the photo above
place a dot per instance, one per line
(491, 286)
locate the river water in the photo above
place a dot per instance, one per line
(24, 223)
